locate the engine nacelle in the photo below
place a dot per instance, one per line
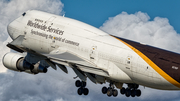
(22, 65)
(38, 69)
(10, 60)
(17, 62)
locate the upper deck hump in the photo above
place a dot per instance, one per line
(68, 21)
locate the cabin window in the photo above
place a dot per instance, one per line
(175, 63)
(163, 59)
(24, 14)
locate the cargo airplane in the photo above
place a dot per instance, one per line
(45, 40)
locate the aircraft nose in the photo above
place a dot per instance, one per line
(10, 29)
(14, 29)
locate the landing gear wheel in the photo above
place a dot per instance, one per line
(138, 93)
(83, 84)
(132, 90)
(130, 86)
(128, 92)
(114, 92)
(136, 86)
(133, 93)
(78, 83)
(109, 92)
(80, 91)
(104, 90)
(123, 90)
(86, 91)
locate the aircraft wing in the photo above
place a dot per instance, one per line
(78, 63)
(17, 44)
(62, 57)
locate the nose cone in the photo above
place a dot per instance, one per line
(14, 29)
(10, 29)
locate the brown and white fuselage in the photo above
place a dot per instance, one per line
(68, 42)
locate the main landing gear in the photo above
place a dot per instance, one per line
(132, 90)
(110, 90)
(81, 85)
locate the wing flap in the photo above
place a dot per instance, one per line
(67, 57)
(93, 70)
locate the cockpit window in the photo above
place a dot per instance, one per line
(24, 14)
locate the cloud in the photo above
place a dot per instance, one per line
(157, 32)
(42, 87)
(138, 27)
(58, 86)
(21, 86)
(10, 10)
(52, 86)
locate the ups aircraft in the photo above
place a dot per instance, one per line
(45, 40)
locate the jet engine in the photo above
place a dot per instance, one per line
(38, 69)
(16, 62)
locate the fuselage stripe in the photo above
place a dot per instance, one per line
(153, 65)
